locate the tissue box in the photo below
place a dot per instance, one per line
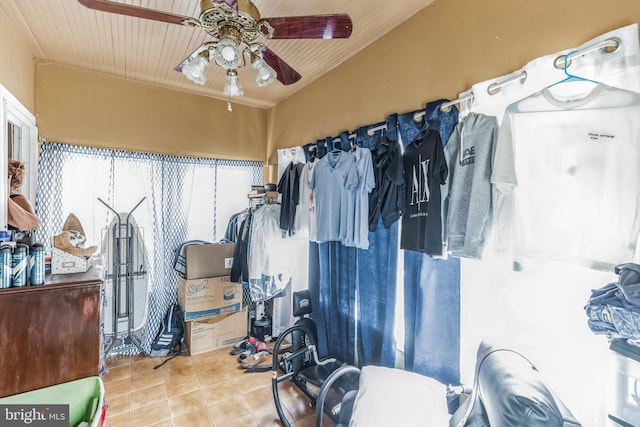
(64, 263)
(212, 333)
(209, 296)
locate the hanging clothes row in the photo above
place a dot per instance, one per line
(261, 256)
(341, 202)
(450, 194)
(364, 282)
(353, 188)
(297, 217)
(268, 261)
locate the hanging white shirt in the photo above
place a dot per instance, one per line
(305, 212)
(566, 170)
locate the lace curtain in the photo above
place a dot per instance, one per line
(180, 199)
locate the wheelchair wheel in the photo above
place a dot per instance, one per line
(285, 367)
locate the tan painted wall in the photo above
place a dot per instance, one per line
(80, 107)
(17, 70)
(438, 53)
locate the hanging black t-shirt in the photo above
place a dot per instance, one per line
(386, 200)
(425, 170)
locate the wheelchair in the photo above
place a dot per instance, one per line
(301, 365)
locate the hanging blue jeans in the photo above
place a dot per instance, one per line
(432, 316)
(336, 298)
(377, 268)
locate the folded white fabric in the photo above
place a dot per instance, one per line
(396, 398)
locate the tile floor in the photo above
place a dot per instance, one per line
(204, 390)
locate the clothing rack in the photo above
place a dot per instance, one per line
(607, 46)
(350, 136)
(374, 129)
(496, 87)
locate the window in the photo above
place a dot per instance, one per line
(187, 198)
(19, 141)
(171, 200)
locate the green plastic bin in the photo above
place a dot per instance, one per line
(85, 398)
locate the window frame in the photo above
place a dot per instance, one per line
(25, 150)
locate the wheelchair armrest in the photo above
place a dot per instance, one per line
(300, 352)
(326, 386)
(346, 408)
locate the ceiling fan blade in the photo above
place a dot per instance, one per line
(135, 11)
(337, 26)
(286, 74)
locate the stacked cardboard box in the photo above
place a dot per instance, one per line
(211, 303)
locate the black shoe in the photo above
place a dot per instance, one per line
(248, 352)
(240, 347)
(238, 344)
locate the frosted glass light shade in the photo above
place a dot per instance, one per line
(196, 70)
(232, 84)
(227, 55)
(265, 75)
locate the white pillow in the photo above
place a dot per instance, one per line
(395, 398)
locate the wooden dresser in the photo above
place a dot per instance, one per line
(49, 334)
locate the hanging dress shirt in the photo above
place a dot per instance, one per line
(354, 229)
(333, 178)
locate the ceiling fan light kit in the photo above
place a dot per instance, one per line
(265, 75)
(232, 85)
(227, 54)
(197, 68)
(235, 26)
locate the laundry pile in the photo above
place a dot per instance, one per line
(614, 310)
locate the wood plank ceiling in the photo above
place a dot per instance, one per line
(66, 33)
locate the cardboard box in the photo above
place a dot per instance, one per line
(273, 196)
(209, 260)
(209, 296)
(64, 263)
(215, 332)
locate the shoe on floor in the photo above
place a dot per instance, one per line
(241, 347)
(261, 346)
(254, 359)
(244, 340)
(248, 352)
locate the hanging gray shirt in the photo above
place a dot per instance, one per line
(466, 205)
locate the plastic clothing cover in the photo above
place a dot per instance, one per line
(269, 255)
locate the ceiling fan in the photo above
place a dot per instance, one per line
(236, 28)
